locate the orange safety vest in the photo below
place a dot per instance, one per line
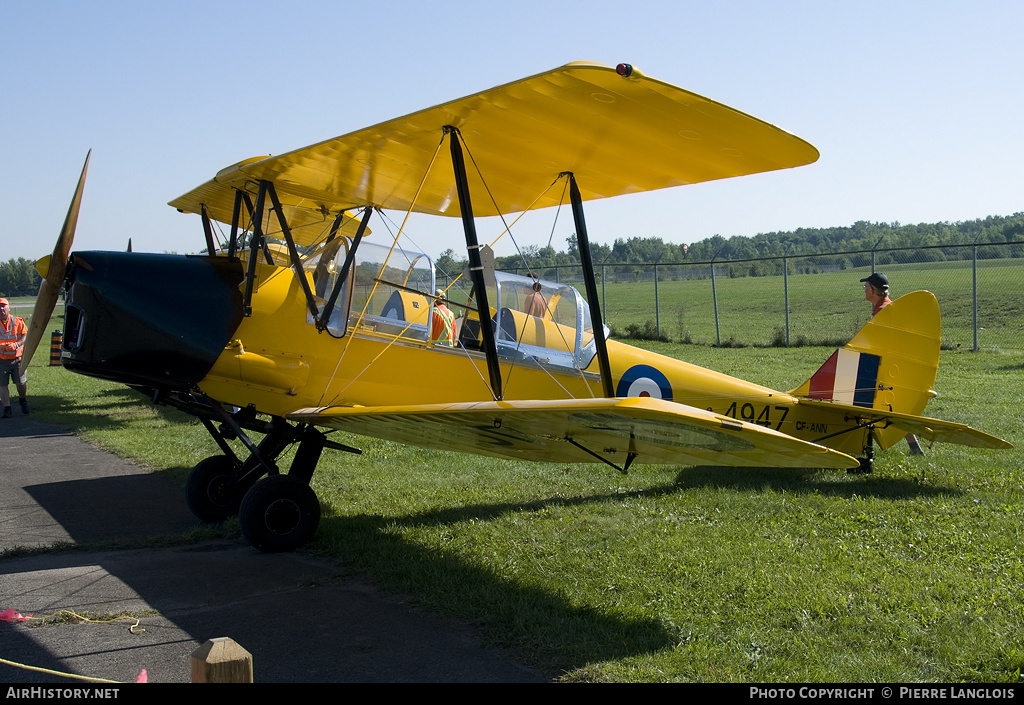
(442, 329)
(11, 334)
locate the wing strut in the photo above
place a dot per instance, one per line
(255, 242)
(235, 214)
(583, 242)
(476, 268)
(293, 252)
(208, 231)
(630, 457)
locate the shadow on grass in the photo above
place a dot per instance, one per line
(833, 483)
(541, 623)
(108, 409)
(537, 625)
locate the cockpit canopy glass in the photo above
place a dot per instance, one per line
(394, 292)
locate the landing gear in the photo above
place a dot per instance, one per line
(216, 486)
(864, 468)
(210, 490)
(280, 513)
(868, 460)
(277, 513)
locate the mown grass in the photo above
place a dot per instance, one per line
(824, 307)
(911, 574)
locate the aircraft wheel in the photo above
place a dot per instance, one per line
(208, 489)
(280, 513)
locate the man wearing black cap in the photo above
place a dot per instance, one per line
(876, 290)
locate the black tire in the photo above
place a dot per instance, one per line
(280, 513)
(208, 490)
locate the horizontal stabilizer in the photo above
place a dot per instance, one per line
(651, 430)
(932, 430)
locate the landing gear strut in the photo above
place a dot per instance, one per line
(216, 486)
(277, 513)
(867, 461)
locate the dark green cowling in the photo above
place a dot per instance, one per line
(145, 319)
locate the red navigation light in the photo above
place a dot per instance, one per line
(624, 69)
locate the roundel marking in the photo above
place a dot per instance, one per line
(644, 381)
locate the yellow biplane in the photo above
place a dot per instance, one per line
(303, 322)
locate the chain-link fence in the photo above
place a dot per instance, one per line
(803, 299)
(811, 299)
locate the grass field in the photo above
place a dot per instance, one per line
(911, 574)
(824, 307)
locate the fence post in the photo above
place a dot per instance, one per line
(714, 297)
(604, 299)
(657, 304)
(785, 288)
(974, 289)
(873, 253)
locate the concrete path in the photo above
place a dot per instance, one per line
(302, 618)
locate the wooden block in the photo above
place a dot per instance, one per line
(221, 660)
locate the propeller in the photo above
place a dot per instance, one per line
(52, 268)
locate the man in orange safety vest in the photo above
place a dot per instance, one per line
(442, 325)
(12, 341)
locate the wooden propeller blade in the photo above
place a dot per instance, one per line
(49, 288)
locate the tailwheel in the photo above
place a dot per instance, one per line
(210, 490)
(279, 513)
(867, 462)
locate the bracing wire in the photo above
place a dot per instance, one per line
(508, 230)
(362, 313)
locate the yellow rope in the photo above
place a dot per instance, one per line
(56, 673)
(11, 616)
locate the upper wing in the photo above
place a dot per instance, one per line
(307, 218)
(617, 134)
(656, 431)
(933, 430)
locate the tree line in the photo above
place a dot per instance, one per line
(936, 242)
(18, 277)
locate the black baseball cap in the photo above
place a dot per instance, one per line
(877, 280)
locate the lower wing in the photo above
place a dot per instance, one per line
(616, 431)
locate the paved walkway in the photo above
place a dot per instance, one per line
(302, 619)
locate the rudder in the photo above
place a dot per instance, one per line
(890, 364)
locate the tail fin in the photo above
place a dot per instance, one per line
(890, 364)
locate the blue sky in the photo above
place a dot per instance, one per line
(915, 107)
